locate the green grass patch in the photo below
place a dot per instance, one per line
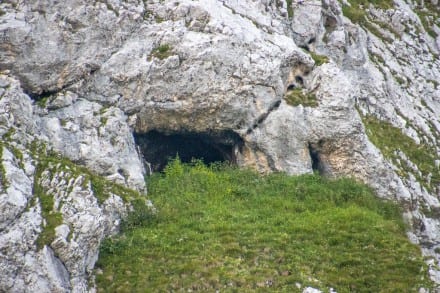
(43, 100)
(162, 52)
(390, 139)
(399, 79)
(357, 13)
(220, 228)
(7, 137)
(3, 180)
(434, 82)
(289, 8)
(364, 4)
(52, 218)
(319, 59)
(101, 187)
(18, 155)
(5, 142)
(298, 96)
(428, 14)
(112, 9)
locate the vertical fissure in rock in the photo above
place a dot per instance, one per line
(158, 148)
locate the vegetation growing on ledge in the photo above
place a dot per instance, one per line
(289, 8)
(319, 59)
(54, 163)
(162, 52)
(51, 218)
(390, 140)
(3, 180)
(5, 142)
(429, 15)
(356, 12)
(297, 97)
(219, 228)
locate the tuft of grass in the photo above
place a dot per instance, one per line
(390, 139)
(52, 219)
(18, 155)
(162, 52)
(7, 137)
(353, 13)
(435, 83)
(43, 102)
(222, 229)
(319, 59)
(399, 79)
(3, 180)
(5, 142)
(112, 9)
(289, 8)
(364, 4)
(297, 97)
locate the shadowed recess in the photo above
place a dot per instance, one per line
(158, 148)
(318, 164)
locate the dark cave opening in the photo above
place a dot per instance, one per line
(299, 80)
(291, 87)
(317, 164)
(158, 148)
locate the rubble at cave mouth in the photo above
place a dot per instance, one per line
(158, 148)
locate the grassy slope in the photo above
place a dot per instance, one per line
(390, 139)
(222, 228)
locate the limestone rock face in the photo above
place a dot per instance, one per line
(52, 217)
(80, 78)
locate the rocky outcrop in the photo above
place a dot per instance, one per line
(54, 213)
(304, 86)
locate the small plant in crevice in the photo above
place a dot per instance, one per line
(162, 52)
(319, 59)
(299, 96)
(51, 218)
(103, 120)
(289, 8)
(3, 180)
(5, 142)
(112, 9)
(401, 81)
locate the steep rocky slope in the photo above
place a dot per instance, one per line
(275, 85)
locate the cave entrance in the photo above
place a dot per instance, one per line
(158, 148)
(318, 164)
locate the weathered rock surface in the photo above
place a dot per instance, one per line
(39, 253)
(82, 78)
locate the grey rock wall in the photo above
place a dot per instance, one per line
(81, 77)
